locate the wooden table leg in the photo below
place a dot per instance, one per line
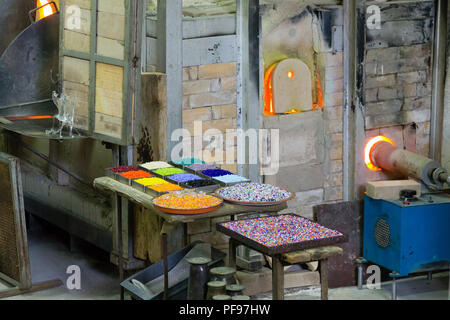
(232, 248)
(324, 279)
(277, 278)
(185, 235)
(166, 265)
(120, 244)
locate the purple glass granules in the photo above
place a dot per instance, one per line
(202, 167)
(184, 177)
(216, 173)
(281, 230)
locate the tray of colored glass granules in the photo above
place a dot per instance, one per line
(166, 172)
(158, 190)
(113, 172)
(192, 181)
(126, 174)
(255, 194)
(221, 177)
(141, 184)
(187, 203)
(281, 234)
(186, 162)
(154, 165)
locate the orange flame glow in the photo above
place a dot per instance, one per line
(369, 150)
(320, 102)
(46, 10)
(268, 98)
(29, 118)
(269, 109)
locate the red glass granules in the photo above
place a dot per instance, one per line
(123, 169)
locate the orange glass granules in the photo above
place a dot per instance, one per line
(136, 174)
(186, 201)
(166, 187)
(171, 187)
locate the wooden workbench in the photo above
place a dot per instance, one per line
(145, 200)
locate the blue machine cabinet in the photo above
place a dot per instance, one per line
(407, 238)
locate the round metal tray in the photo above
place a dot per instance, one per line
(188, 211)
(255, 204)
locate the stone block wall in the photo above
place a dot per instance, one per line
(311, 142)
(398, 78)
(209, 96)
(398, 86)
(319, 180)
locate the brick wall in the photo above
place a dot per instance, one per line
(311, 159)
(398, 78)
(398, 86)
(333, 76)
(209, 95)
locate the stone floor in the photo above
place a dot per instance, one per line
(51, 256)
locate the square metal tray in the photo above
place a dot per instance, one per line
(286, 248)
(154, 193)
(208, 189)
(124, 180)
(109, 173)
(223, 184)
(137, 186)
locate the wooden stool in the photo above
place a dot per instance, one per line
(318, 254)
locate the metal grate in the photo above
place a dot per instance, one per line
(382, 233)
(14, 259)
(9, 259)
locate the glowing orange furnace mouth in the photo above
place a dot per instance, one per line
(369, 150)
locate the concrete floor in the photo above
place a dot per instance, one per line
(51, 256)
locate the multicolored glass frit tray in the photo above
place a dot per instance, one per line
(281, 234)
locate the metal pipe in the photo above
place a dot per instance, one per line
(438, 87)
(394, 289)
(409, 164)
(44, 157)
(360, 277)
(18, 105)
(349, 98)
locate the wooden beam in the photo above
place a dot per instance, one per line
(170, 61)
(35, 288)
(324, 279)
